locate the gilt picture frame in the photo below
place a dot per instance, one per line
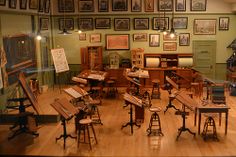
(223, 23)
(117, 41)
(204, 27)
(198, 5)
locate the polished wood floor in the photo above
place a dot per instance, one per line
(112, 141)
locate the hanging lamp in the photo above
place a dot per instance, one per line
(64, 31)
(38, 35)
(172, 30)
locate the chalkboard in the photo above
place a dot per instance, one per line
(59, 60)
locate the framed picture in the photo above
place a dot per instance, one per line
(47, 6)
(158, 23)
(33, 4)
(44, 22)
(86, 6)
(184, 39)
(2, 2)
(198, 5)
(12, 4)
(41, 5)
(136, 5)
(180, 22)
(23, 4)
(103, 23)
(82, 36)
(141, 23)
(165, 5)
(204, 27)
(103, 5)
(149, 5)
(119, 5)
(169, 46)
(117, 42)
(66, 6)
(85, 24)
(121, 24)
(140, 37)
(224, 23)
(180, 5)
(95, 38)
(154, 40)
(68, 22)
(167, 37)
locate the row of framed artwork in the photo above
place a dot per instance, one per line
(136, 5)
(41, 5)
(121, 41)
(201, 26)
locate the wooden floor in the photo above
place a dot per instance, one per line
(112, 141)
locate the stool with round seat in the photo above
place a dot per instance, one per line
(115, 84)
(84, 125)
(156, 89)
(155, 122)
(111, 89)
(94, 113)
(209, 129)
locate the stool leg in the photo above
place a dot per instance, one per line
(94, 134)
(89, 140)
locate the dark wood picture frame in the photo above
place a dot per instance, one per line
(47, 6)
(41, 6)
(169, 46)
(149, 5)
(180, 22)
(23, 4)
(198, 5)
(12, 4)
(121, 24)
(117, 41)
(140, 37)
(154, 40)
(44, 23)
(204, 27)
(136, 5)
(160, 23)
(165, 5)
(224, 23)
(103, 23)
(86, 6)
(69, 23)
(184, 39)
(66, 6)
(119, 5)
(141, 23)
(33, 4)
(85, 24)
(180, 5)
(2, 2)
(103, 5)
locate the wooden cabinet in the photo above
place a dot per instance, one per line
(137, 57)
(91, 58)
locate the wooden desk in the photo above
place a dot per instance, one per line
(93, 75)
(213, 109)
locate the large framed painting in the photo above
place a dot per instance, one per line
(117, 42)
(121, 24)
(66, 6)
(141, 23)
(204, 27)
(180, 22)
(86, 6)
(119, 5)
(198, 5)
(165, 5)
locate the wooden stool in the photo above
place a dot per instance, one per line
(114, 79)
(96, 91)
(155, 122)
(84, 126)
(155, 89)
(94, 113)
(207, 132)
(111, 89)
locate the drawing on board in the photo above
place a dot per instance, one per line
(59, 60)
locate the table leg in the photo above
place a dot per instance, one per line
(199, 122)
(226, 122)
(195, 117)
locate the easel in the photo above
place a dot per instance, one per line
(67, 111)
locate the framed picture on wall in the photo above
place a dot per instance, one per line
(198, 5)
(158, 23)
(33, 4)
(154, 40)
(204, 27)
(47, 6)
(95, 38)
(165, 5)
(136, 5)
(141, 23)
(223, 23)
(117, 42)
(103, 5)
(44, 23)
(184, 39)
(121, 24)
(149, 5)
(140, 37)
(180, 22)
(169, 46)
(23, 4)
(2, 2)
(82, 36)
(41, 5)
(119, 5)
(66, 6)
(69, 23)
(180, 5)
(103, 23)
(86, 6)
(167, 37)
(12, 4)
(85, 23)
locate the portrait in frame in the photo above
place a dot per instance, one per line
(95, 38)
(154, 40)
(12, 4)
(169, 46)
(103, 23)
(149, 5)
(180, 22)
(85, 24)
(140, 37)
(44, 23)
(86, 6)
(141, 23)
(117, 42)
(165, 5)
(33, 4)
(204, 27)
(223, 23)
(121, 24)
(2, 2)
(180, 5)
(82, 36)
(41, 5)
(47, 6)
(69, 23)
(158, 23)
(119, 5)
(66, 6)
(103, 5)
(136, 5)
(198, 5)
(23, 4)
(184, 39)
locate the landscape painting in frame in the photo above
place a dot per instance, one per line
(180, 5)
(180, 22)
(86, 6)
(119, 5)
(117, 42)
(198, 5)
(140, 37)
(165, 5)
(204, 27)
(141, 23)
